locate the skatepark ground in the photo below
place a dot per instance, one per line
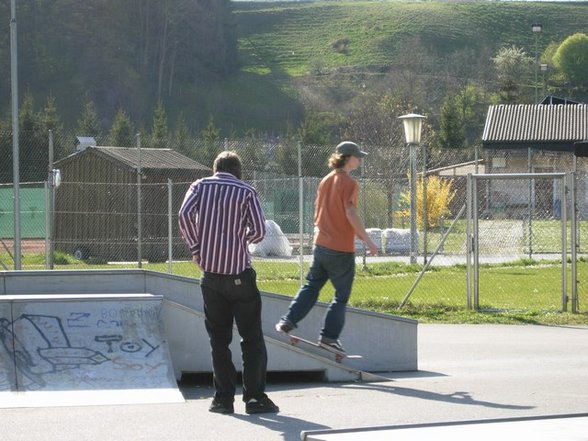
(465, 373)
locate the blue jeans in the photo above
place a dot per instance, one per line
(339, 268)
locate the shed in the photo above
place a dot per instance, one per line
(547, 128)
(96, 204)
(537, 126)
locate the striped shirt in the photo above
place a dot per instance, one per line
(220, 215)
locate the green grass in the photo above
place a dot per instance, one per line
(524, 291)
(285, 38)
(279, 43)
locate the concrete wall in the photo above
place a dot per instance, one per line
(387, 343)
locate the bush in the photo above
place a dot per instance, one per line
(439, 196)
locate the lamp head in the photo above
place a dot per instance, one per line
(413, 124)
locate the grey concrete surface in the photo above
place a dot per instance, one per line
(466, 372)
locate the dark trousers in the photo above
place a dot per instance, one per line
(228, 298)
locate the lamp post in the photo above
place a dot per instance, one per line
(413, 124)
(544, 68)
(537, 28)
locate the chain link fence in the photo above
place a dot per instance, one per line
(123, 219)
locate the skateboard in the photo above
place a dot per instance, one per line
(339, 356)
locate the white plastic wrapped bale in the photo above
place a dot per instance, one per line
(397, 240)
(375, 234)
(275, 243)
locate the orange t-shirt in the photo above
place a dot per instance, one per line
(336, 192)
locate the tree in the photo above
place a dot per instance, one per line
(317, 128)
(571, 58)
(513, 67)
(88, 124)
(210, 135)
(473, 102)
(122, 132)
(159, 131)
(451, 133)
(375, 126)
(33, 141)
(183, 139)
(50, 120)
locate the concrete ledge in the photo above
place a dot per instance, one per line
(107, 344)
(387, 343)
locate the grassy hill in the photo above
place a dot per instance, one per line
(280, 42)
(286, 38)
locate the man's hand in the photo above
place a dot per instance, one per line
(372, 247)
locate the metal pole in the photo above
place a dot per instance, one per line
(531, 185)
(428, 264)
(15, 142)
(425, 211)
(536, 67)
(475, 244)
(413, 205)
(50, 206)
(300, 215)
(564, 246)
(47, 223)
(574, 244)
(363, 203)
(469, 244)
(169, 226)
(139, 220)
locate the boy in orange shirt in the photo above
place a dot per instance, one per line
(336, 225)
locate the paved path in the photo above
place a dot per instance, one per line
(466, 372)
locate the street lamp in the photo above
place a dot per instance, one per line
(544, 68)
(413, 124)
(537, 28)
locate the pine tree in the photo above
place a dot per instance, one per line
(88, 124)
(33, 142)
(159, 131)
(122, 131)
(452, 133)
(50, 120)
(211, 136)
(183, 139)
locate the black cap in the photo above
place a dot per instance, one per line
(347, 148)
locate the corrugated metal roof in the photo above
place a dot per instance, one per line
(151, 158)
(552, 127)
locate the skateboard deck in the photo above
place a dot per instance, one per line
(339, 356)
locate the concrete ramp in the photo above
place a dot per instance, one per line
(73, 349)
(291, 358)
(387, 343)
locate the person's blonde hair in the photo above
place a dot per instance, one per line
(337, 161)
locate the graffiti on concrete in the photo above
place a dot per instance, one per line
(74, 346)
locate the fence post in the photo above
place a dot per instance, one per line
(476, 243)
(469, 244)
(15, 140)
(139, 220)
(169, 227)
(574, 240)
(531, 202)
(300, 214)
(564, 244)
(47, 223)
(425, 211)
(49, 207)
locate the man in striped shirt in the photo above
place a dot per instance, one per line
(219, 217)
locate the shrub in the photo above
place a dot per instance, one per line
(439, 196)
